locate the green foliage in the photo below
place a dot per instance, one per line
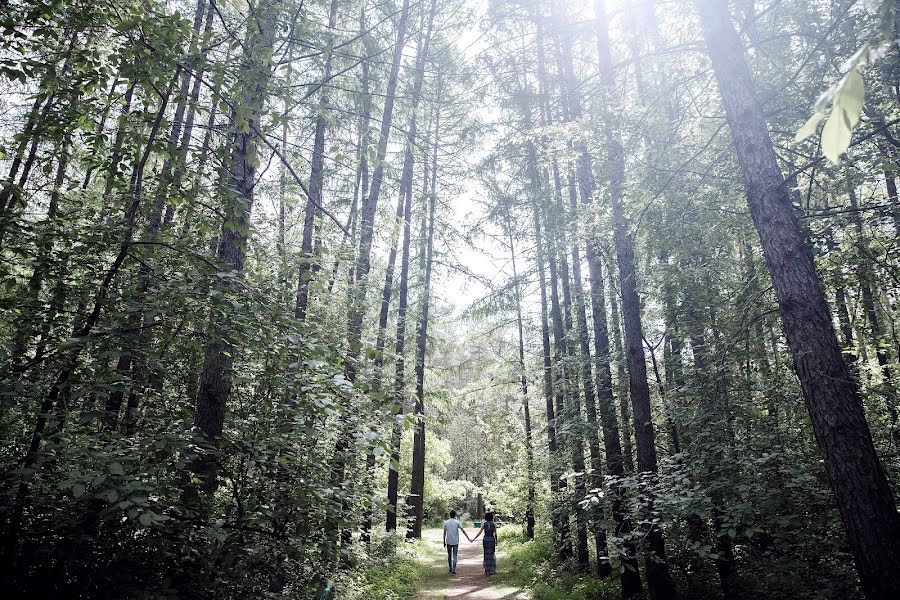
(391, 575)
(533, 565)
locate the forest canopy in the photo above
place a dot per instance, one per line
(283, 282)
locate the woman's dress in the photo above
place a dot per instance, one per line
(490, 546)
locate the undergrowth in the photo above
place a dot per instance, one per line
(533, 565)
(391, 571)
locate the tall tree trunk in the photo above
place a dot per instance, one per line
(218, 360)
(30, 319)
(630, 577)
(400, 364)
(659, 582)
(711, 421)
(621, 377)
(82, 331)
(316, 178)
(523, 380)
(552, 446)
(858, 480)
(367, 219)
(591, 431)
(130, 365)
(406, 178)
(364, 256)
(417, 483)
(560, 351)
(559, 513)
(11, 190)
(868, 290)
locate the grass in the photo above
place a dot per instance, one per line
(533, 565)
(394, 570)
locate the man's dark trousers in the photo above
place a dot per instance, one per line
(452, 553)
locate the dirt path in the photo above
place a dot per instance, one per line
(470, 582)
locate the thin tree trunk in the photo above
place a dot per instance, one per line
(659, 582)
(82, 331)
(316, 180)
(867, 283)
(621, 378)
(523, 380)
(405, 193)
(367, 220)
(630, 577)
(552, 446)
(417, 484)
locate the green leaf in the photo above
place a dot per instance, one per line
(146, 519)
(809, 127)
(848, 102)
(109, 495)
(116, 469)
(78, 490)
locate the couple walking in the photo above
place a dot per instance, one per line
(452, 527)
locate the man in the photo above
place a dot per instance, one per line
(451, 539)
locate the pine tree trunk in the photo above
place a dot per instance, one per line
(858, 480)
(417, 483)
(214, 387)
(867, 284)
(621, 378)
(82, 330)
(659, 582)
(370, 207)
(523, 380)
(559, 514)
(552, 446)
(406, 178)
(316, 179)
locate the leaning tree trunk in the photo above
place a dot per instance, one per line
(832, 396)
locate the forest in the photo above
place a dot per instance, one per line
(284, 282)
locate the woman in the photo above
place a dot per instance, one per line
(489, 543)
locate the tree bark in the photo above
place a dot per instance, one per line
(316, 179)
(621, 378)
(659, 582)
(523, 381)
(215, 378)
(367, 218)
(417, 484)
(858, 480)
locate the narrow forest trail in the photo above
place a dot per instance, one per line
(470, 582)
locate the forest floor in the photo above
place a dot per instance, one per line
(470, 582)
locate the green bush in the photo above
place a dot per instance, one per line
(393, 575)
(533, 565)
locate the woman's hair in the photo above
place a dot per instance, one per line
(489, 516)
